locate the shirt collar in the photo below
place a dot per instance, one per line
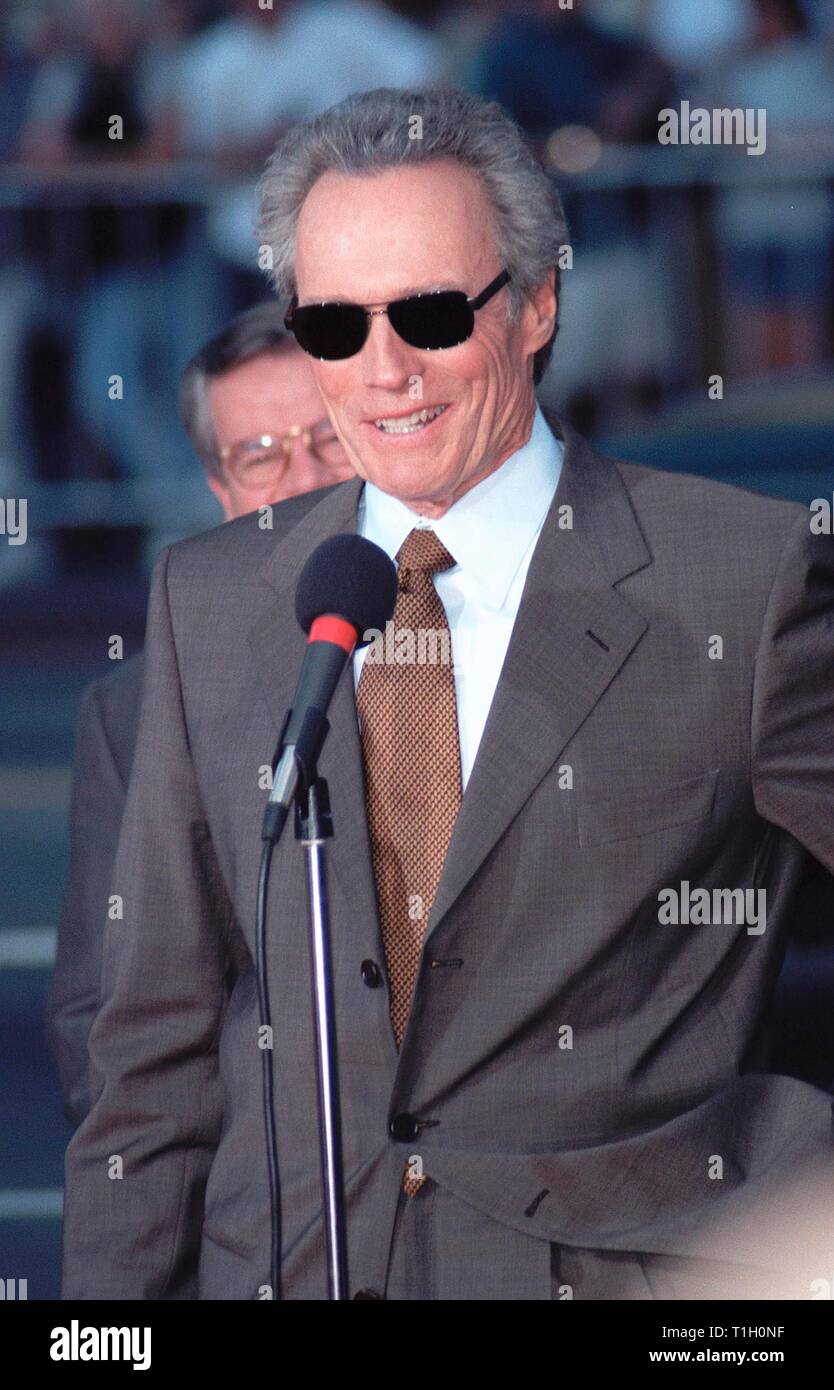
(491, 528)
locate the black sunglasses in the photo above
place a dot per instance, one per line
(441, 319)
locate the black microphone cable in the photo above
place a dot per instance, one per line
(268, 1073)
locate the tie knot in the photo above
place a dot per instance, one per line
(423, 550)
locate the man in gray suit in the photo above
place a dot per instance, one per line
(248, 384)
(558, 884)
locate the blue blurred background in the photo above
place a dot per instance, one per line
(123, 256)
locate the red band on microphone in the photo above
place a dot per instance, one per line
(329, 628)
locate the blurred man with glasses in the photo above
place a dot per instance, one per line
(255, 418)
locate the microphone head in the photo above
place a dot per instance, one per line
(351, 578)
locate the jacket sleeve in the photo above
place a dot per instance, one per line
(137, 1167)
(793, 695)
(97, 801)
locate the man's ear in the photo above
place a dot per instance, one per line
(222, 494)
(541, 311)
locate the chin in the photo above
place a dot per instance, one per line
(407, 484)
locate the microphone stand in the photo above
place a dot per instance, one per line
(313, 827)
(297, 778)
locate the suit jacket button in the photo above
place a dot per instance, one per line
(371, 974)
(404, 1128)
(368, 1293)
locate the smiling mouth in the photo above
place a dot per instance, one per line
(409, 424)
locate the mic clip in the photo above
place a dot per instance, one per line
(294, 771)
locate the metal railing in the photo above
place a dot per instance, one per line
(50, 220)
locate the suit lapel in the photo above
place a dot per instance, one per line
(278, 645)
(572, 634)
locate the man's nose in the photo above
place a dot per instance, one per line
(387, 360)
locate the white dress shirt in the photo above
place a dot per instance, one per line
(492, 532)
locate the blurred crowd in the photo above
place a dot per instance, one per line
(132, 135)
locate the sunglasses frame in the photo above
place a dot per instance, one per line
(474, 303)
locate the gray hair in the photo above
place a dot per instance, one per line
(247, 335)
(373, 130)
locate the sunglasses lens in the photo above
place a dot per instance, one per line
(433, 320)
(330, 331)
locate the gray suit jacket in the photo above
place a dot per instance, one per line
(104, 747)
(587, 1078)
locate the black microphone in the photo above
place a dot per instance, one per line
(347, 587)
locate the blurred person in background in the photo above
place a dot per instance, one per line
(139, 288)
(258, 70)
(255, 418)
(249, 76)
(137, 283)
(777, 238)
(551, 67)
(227, 86)
(111, 67)
(566, 79)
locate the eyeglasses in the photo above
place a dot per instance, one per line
(256, 462)
(439, 319)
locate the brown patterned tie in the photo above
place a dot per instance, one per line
(411, 751)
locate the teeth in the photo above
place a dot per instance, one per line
(409, 424)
